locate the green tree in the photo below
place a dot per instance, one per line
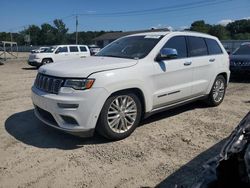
(34, 32)
(220, 32)
(242, 36)
(200, 26)
(60, 31)
(239, 26)
(47, 35)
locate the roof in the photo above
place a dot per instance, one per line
(116, 35)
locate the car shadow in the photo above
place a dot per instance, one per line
(189, 173)
(174, 112)
(240, 78)
(29, 68)
(25, 127)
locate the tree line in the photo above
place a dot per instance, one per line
(57, 33)
(237, 30)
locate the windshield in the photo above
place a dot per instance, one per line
(134, 47)
(243, 50)
(50, 49)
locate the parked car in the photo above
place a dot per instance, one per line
(130, 79)
(240, 59)
(59, 53)
(94, 49)
(39, 50)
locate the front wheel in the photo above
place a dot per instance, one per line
(217, 92)
(46, 61)
(120, 116)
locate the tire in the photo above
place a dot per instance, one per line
(217, 92)
(115, 121)
(46, 61)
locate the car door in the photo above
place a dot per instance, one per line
(173, 77)
(84, 52)
(202, 63)
(61, 54)
(74, 52)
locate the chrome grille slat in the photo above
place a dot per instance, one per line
(48, 83)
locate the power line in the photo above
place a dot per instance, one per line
(178, 7)
(159, 10)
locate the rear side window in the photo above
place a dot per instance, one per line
(197, 46)
(178, 43)
(213, 47)
(83, 49)
(73, 49)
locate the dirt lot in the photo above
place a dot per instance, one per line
(167, 149)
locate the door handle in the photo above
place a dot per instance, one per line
(212, 60)
(188, 63)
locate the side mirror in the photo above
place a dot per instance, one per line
(167, 53)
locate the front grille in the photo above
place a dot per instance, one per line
(241, 63)
(48, 83)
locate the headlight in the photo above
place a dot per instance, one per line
(79, 84)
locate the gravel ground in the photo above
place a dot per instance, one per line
(167, 149)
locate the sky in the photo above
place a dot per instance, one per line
(128, 15)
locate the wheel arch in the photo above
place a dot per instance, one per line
(224, 74)
(138, 92)
(48, 58)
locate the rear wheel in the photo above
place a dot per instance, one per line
(217, 92)
(120, 116)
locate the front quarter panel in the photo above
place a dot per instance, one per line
(127, 78)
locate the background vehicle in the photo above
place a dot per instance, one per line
(240, 59)
(94, 49)
(59, 53)
(39, 50)
(131, 78)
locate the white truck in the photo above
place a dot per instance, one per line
(130, 79)
(58, 53)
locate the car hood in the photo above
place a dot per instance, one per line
(82, 68)
(240, 57)
(42, 54)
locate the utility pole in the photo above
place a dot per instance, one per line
(11, 39)
(76, 29)
(11, 36)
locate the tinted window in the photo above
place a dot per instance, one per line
(178, 43)
(213, 47)
(73, 49)
(243, 50)
(83, 49)
(197, 46)
(62, 49)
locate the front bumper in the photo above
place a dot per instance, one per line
(239, 69)
(71, 111)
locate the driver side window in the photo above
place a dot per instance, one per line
(178, 43)
(62, 49)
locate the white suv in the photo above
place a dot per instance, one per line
(58, 53)
(130, 79)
